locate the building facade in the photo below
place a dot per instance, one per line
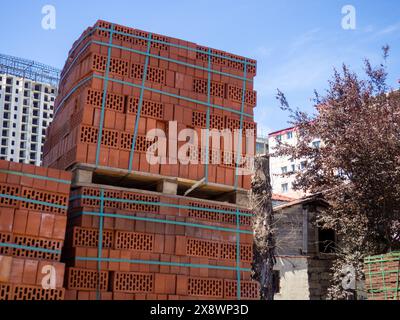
(27, 94)
(304, 252)
(285, 165)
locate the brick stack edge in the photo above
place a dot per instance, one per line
(382, 276)
(155, 241)
(72, 137)
(140, 259)
(29, 229)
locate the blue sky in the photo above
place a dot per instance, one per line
(296, 43)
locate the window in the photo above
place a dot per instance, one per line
(279, 137)
(293, 168)
(284, 169)
(326, 240)
(3, 150)
(289, 135)
(285, 187)
(303, 165)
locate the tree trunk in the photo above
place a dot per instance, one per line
(263, 227)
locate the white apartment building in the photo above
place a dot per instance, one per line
(27, 94)
(279, 165)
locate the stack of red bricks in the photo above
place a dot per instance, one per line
(382, 276)
(33, 217)
(153, 248)
(176, 89)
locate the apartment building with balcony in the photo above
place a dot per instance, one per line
(27, 93)
(283, 185)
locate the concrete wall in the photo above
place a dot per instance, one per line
(293, 278)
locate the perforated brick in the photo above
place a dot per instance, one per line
(5, 238)
(85, 237)
(109, 195)
(228, 252)
(202, 248)
(91, 192)
(21, 292)
(43, 196)
(133, 282)
(82, 279)
(150, 108)
(199, 119)
(5, 291)
(89, 134)
(117, 66)
(134, 241)
(248, 290)
(9, 190)
(99, 62)
(35, 242)
(216, 216)
(216, 89)
(153, 74)
(140, 207)
(109, 138)
(236, 94)
(141, 145)
(113, 101)
(203, 287)
(235, 63)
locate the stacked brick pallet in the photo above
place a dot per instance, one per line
(382, 276)
(33, 217)
(101, 93)
(155, 246)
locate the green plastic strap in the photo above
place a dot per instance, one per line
(161, 263)
(239, 153)
(30, 248)
(384, 282)
(34, 176)
(100, 243)
(48, 204)
(162, 204)
(370, 280)
(104, 98)
(157, 220)
(139, 111)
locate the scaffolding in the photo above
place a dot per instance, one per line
(29, 69)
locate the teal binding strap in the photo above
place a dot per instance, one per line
(207, 159)
(215, 106)
(162, 204)
(162, 263)
(34, 176)
(146, 65)
(238, 254)
(239, 154)
(157, 220)
(30, 248)
(100, 242)
(48, 204)
(104, 98)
